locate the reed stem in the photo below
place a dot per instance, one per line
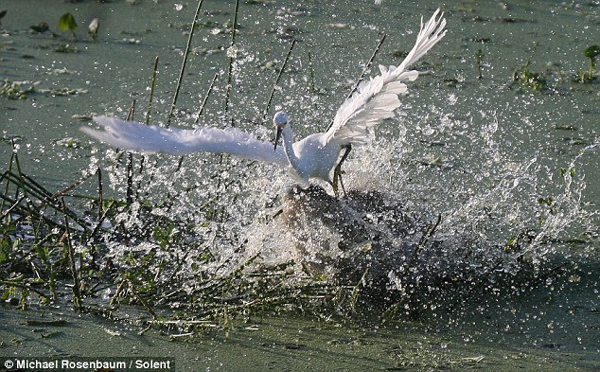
(152, 87)
(71, 255)
(279, 74)
(231, 58)
(183, 63)
(365, 70)
(311, 73)
(129, 198)
(208, 92)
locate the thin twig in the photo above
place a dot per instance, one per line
(152, 87)
(32, 190)
(425, 239)
(150, 99)
(10, 209)
(183, 63)
(71, 254)
(285, 61)
(131, 111)
(30, 212)
(118, 291)
(356, 291)
(231, 57)
(101, 219)
(19, 172)
(208, 92)
(24, 286)
(148, 308)
(311, 73)
(72, 186)
(100, 191)
(365, 70)
(129, 199)
(10, 163)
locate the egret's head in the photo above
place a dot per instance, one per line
(279, 120)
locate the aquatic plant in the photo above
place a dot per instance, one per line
(590, 52)
(39, 28)
(66, 22)
(200, 243)
(65, 48)
(17, 89)
(529, 80)
(479, 62)
(219, 250)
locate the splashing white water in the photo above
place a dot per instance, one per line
(434, 221)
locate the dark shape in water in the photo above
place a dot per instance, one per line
(395, 250)
(367, 222)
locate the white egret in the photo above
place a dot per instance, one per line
(316, 155)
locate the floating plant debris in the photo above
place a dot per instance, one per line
(17, 89)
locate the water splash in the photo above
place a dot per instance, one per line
(416, 229)
(450, 197)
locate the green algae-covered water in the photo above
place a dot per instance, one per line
(544, 332)
(498, 136)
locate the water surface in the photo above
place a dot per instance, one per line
(469, 143)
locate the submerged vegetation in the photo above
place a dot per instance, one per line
(52, 250)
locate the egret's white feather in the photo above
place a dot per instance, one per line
(377, 98)
(149, 138)
(312, 157)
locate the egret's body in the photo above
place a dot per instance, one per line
(316, 155)
(308, 158)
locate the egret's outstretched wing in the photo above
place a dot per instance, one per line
(376, 99)
(146, 138)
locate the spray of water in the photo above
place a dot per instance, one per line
(417, 228)
(443, 203)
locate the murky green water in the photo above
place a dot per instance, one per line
(545, 332)
(466, 129)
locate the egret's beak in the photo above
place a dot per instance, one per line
(279, 130)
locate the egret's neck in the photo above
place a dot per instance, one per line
(288, 141)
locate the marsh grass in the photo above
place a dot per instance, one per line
(51, 251)
(54, 250)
